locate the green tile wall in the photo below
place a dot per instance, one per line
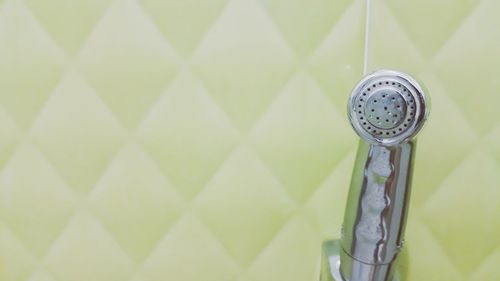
(196, 140)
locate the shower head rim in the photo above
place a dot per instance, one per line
(421, 113)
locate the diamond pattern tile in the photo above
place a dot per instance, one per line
(29, 218)
(244, 86)
(40, 276)
(301, 242)
(148, 140)
(330, 198)
(175, 20)
(427, 257)
(493, 143)
(460, 139)
(77, 133)
(489, 268)
(16, 262)
(188, 135)
(448, 202)
(389, 45)
(85, 251)
(79, 18)
(302, 137)
(189, 252)
(427, 36)
(258, 208)
(31, 65)
(135, 202)
(126, 55)
(336, 63)
(10, 137)
(481, 59)
(456, 180)
(305, 24)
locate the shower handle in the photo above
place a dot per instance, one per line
(375, 218)
(386, 109)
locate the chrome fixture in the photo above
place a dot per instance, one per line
(386, 109)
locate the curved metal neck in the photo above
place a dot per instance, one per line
(377, 206)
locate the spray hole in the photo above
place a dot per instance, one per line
(373, 110)
(385, 107)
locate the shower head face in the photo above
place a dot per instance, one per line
(387, 107)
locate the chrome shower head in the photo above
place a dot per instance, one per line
(387, 107)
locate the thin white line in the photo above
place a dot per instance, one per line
(367, 35)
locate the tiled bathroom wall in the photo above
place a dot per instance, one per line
(206, 140)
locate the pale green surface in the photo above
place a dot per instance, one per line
(201, 140)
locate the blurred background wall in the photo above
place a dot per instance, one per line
(197, 140)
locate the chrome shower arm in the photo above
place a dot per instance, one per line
(375, 217)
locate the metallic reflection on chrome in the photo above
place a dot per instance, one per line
(386, 109)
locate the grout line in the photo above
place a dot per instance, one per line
(367, 35)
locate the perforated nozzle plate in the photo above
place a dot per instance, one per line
(387, 107)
